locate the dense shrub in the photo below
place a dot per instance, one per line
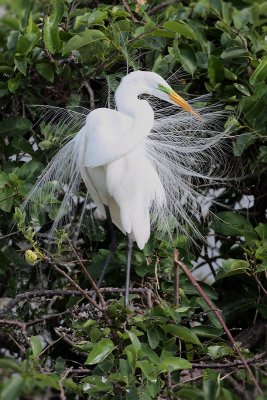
(73, 54)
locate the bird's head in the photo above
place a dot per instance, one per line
(161, 89)
(153, 84)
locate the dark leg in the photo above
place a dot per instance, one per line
(128, 269)
(112, 246)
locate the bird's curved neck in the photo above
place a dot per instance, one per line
(140, 111)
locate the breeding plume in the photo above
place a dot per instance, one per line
(140, 163)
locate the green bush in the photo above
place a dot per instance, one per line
(71, 54)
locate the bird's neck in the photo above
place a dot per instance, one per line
(140, 111)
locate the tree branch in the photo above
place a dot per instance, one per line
(159, 7)
(218, 316)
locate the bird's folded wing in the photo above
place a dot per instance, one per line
(109, 135)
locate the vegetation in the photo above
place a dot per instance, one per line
(57, 341)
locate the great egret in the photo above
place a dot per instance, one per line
(137, 166)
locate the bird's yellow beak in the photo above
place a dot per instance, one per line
(182, 103)
(178, 100)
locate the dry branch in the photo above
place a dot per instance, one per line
(218, 316)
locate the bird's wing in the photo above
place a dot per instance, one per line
(108, 137)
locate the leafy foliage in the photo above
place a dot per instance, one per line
(67, 53)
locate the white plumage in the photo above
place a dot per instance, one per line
(143, 164)
(113, 159)
(140, 168)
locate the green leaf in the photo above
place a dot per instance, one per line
(22, 144)
(183, 333)
(8, 363)
(135, 341)
(21, 64)
(125, 370)
(170, 364)
(230, 223)
(242, 89)
(26, 43)
(261, 252)
(36, 345)
(84, 38)
(187, 57)
(207, 331)
(96, 384)
(48, 380)
(153, 337)
(147, 353)
(46, 71)
(4, 179)
(6, 198)
(263, 154)
(60, 364)
(14, 83)
(260, 73)
(10, 21)
(71, 386)
(261, 229)
(30, 170)
(219, 351)
(234, 52)
(57, 11)
(242, 143)
(12, 389)
(14, 126)
(180, 27)
(254, 107)
(100, 351)
(232, 267)
(149, 370)
(51, 35)
(215, 70)
(210, 314)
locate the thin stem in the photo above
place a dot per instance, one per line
(260, 285)
(176, 284)
(83, 292)
(218, 316)
(88, 276)
(159, 7)
(127, 8)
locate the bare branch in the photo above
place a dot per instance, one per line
(218, 316)
(159, 7)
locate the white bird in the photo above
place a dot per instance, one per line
(137, 166)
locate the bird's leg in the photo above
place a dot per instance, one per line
(128, 268)
(112, 247)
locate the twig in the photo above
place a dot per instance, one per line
(218, 316)
(18, 324)
(46, 318)
(127, 8)
(78, 371)
(159, 7)
(176, 283)
(83, 292)
(22, 348)
(156, 273)
(238, 388)
(149, 298)
(91, 95)
(38, 293)
(63, 292)
(260, 284)
(88, 276)
(236, 363)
